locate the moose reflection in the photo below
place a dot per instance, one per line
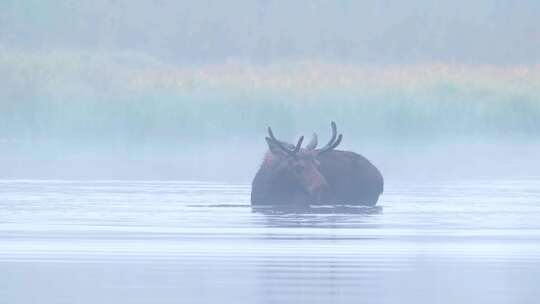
(292, 175)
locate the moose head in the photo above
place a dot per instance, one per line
(293, 171)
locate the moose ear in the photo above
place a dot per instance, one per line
(274, 147)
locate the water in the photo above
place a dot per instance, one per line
(198, 242)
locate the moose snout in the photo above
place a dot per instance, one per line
(318, 190)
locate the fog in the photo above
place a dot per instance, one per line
(188, 32)
(185, 90)
(130, 132)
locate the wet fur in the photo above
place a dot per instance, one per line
(272, 186)
(352, 180)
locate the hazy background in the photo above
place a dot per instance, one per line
(185, 89)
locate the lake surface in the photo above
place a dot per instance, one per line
(196, 242)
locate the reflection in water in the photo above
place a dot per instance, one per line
(315, 216)
(171, 242)
(318, 209)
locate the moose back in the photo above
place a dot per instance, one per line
(292, 175)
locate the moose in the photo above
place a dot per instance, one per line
(294, 176)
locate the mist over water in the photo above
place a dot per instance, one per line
(180, 90)
(133, 114)
(130, 132)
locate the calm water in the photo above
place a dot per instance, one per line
(194, 242)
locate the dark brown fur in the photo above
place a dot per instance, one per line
(286, 180)
(352, 179)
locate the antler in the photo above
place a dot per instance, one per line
(282, 146)
(312, 143)
(333, 143)
(298, 144)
